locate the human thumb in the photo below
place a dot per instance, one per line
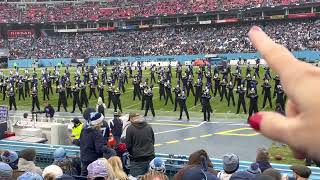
(273, 125)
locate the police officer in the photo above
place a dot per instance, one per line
(206, 106)
(76, 99)
(35, 99)
(183, 106)
(230, 93)
(117, 101)
(62, 98)
(136, 90)
(253, 107)
(266, 91)
(83, 94)
(177, 91)
(167, 86)
(149, 102)
(198, 86)
(223, 88)
(93, 86)
(101, 91)
(241, 98)
(12, 100)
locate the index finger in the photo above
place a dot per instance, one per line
(276, 55)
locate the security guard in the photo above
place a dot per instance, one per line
(206, 106)
(167, 86)
(253, 107)
(149, 102)
(76, 130)
(35, 99)
(76, 99)
(183, 106)
(241, 100)
(266, 91)
(62, 98)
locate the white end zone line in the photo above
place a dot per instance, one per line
(179, 129)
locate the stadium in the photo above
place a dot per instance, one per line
(159, 89)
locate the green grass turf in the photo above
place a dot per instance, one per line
(220, 108)
(285, 152)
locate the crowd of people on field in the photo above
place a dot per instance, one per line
(166, 41)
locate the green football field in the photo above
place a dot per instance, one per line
(128, 105)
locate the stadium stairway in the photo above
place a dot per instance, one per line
(173, 162)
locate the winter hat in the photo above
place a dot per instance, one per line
(30, 176)
(28, 154)
(230, 162)
(55, 170)
(11, 158)
(5, 171)
(97, 169)
(157, 165)
(76, 120)
(242, 175)
(196, 173)
(87, 112)
(59, 154)
(254, 169)
(96, 118)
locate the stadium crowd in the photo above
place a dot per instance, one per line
(36, 13)
(166, 41)
(131, 157)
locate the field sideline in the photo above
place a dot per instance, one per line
(128, 105)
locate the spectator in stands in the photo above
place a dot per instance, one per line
(30, 175)
(116, 127)
(230, 166)
(157, 165)
(76, 130)
(263, 159)
(265, 177)
(126, 121)
(100, 168)
(254, 169)
(5, 171)
(61, 160)
(124, 155)
(101, 107)
(199, 161)
(12, 159)
(273, 173)
(116, 165)
(26, 161)
(154, 175)
(140, 144)
(300, 172)
(92, 145)
(52, 171)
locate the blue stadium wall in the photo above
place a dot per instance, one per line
(307, 55)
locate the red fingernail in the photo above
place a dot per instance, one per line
(255, 121)
(256, 28)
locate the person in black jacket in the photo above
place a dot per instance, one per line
(253, 107)
(266, 91)
(241, 100)
(116, 127)
(140, 144)
(92, 145)
(49, 110)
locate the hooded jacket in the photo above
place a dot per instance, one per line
(140, 141)
(24, 165)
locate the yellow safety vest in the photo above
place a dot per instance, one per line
(77, 131)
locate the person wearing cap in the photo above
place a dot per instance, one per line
(254, 169)
(92, 144)
(157, 165)
(300, 172)
(230, 165)
(27, 161)
(100, 168)
(11, 158)
(5, 171)
(76, 130)
(116, 127)
(140, 144)
(61, 160)
(30, 175)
